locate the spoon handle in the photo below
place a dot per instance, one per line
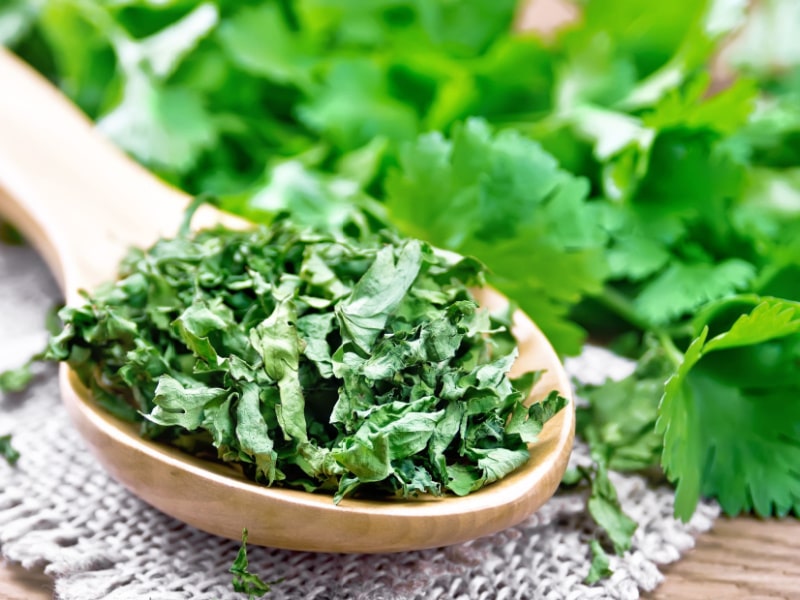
(75, 196)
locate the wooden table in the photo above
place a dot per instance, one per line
(741, 559)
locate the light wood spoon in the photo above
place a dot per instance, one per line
(82, 203)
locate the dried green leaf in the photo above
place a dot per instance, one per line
(16, 380)
(244, 581)
(7, 451)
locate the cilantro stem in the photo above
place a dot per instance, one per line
(198, 201)
(289, 14)
(675, 356)
(619, 304)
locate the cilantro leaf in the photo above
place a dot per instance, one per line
(771, 318)
(314, 199)
(466, 29)
(725, 112)
(636, 256)
(682, 288)
(603, 506)
(727, 416)
(769, 209)
(652, 41)
(259, 39)
(16, 19)
(354, 105)
(81, 52)
(177, 405)
(165, 126)
(502, 198)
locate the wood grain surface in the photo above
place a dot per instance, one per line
(741, 559)
(17, 583)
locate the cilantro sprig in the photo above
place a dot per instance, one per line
(729, 416)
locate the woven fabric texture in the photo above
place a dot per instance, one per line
(59, 510)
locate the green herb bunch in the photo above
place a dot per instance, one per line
(309, 361)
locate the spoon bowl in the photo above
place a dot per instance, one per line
(82, 203)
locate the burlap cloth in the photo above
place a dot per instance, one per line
(59, 510)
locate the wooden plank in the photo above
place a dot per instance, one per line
(17, 583)
(740, 559)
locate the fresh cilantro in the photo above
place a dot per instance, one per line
(354, 104)
(16, 19)
(503, 198)
(196, 94)
(259, 40)
(681, 289)
(728, 416)
(244, 581)
(7, 451)
(724, 112)
(163, 125)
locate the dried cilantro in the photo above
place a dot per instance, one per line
(244, 581)
(7, 451)
(16, 380)
(312, 361)
(9, 235)
(601, 564)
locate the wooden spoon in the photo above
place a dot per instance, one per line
(83, 204)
